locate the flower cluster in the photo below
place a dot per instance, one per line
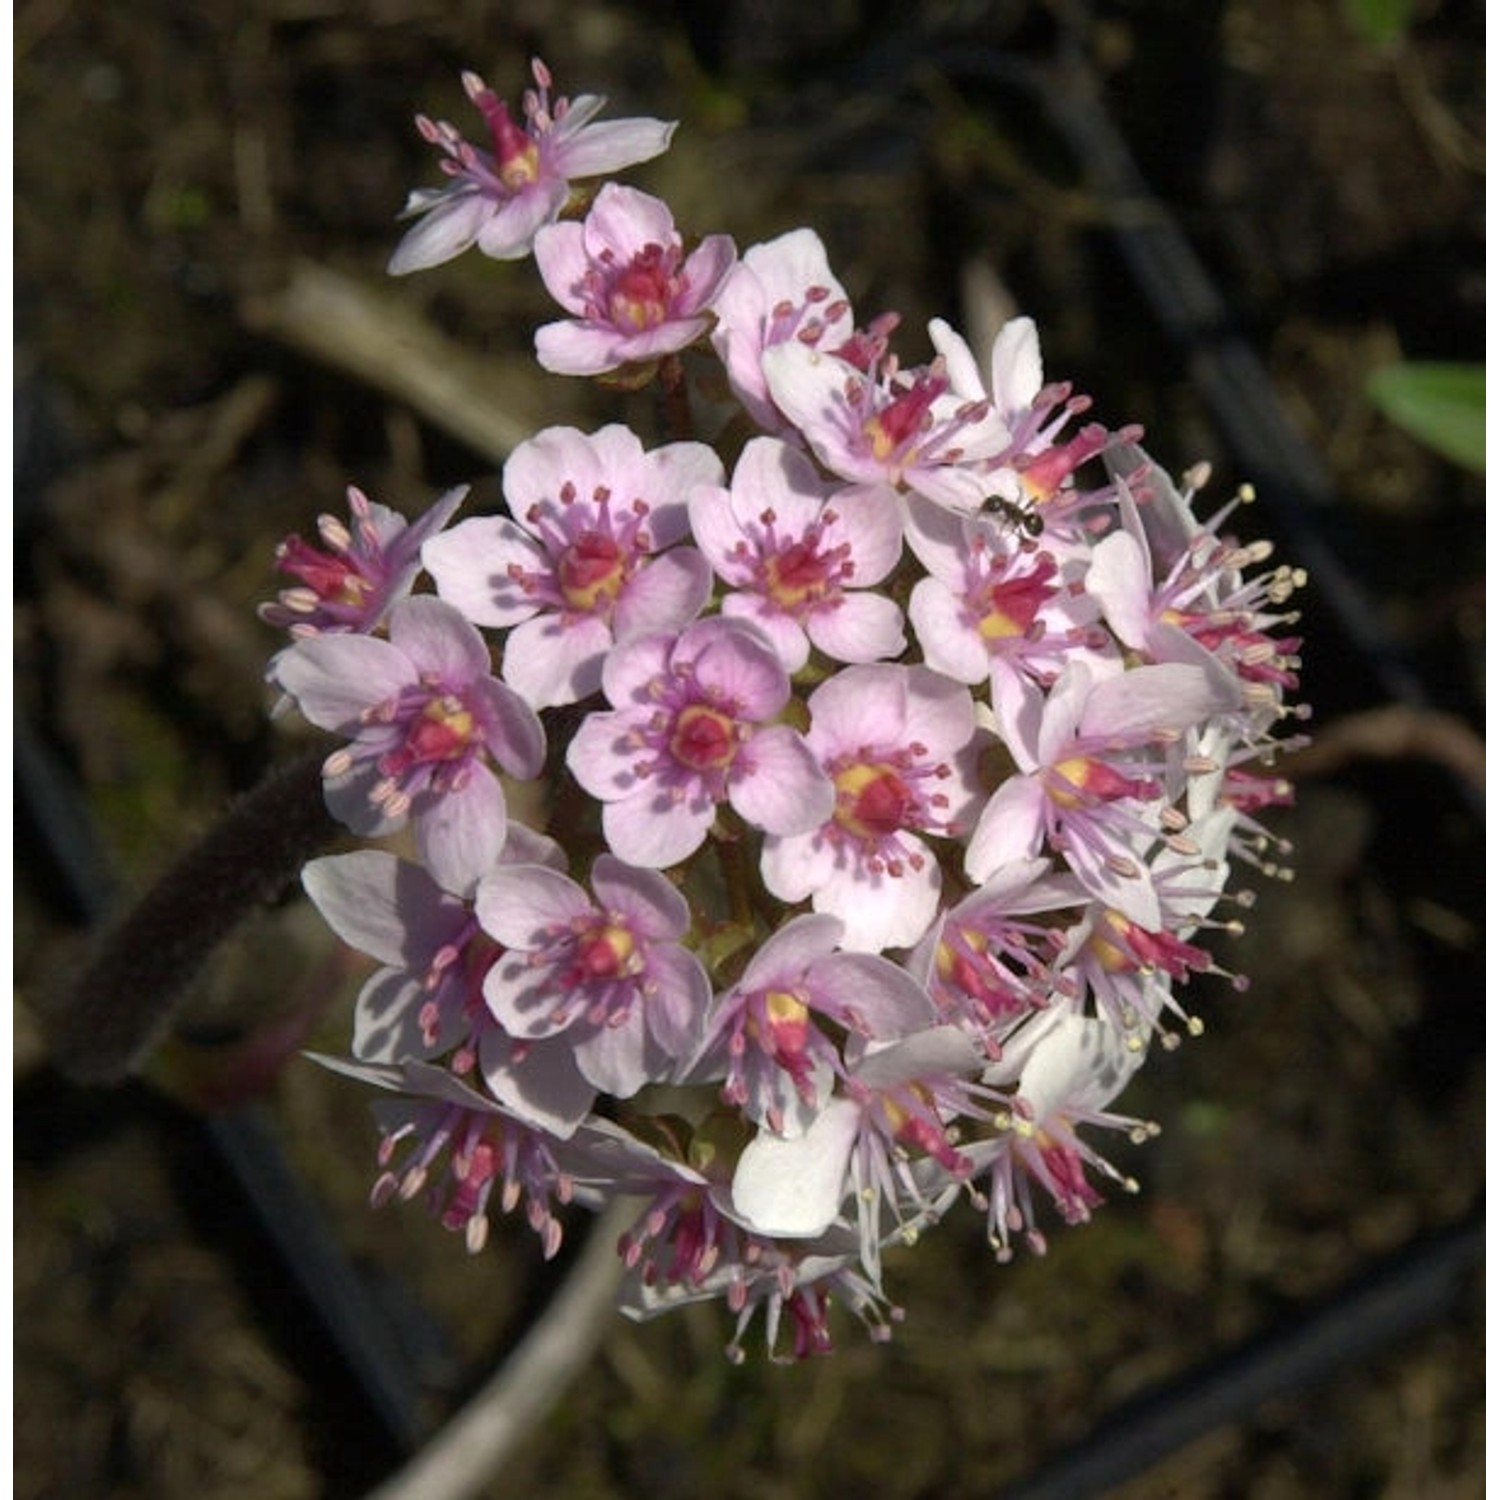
(806, 837)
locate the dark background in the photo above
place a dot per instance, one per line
(179, 170)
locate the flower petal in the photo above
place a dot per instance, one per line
(794, 1188)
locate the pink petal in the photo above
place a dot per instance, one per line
(597, 150)
(384, 906)
(388, 1021)
(623, 220)
(950, 644)
(1010, 828)
(875, 998)
(653, 906)
(575, 348)
(793, 948)
(541, 1085)
(787, 791)
(863, 705)
(444, 231)
(334, 678)
(882, 911)
(666, 594)
(600, 755)
(470, 565)
(939, 712)
(793, 868)
(679, 1001)
(1171, 696)
(1015, 367)
(939, 1052)
(439, 640)
(518, 904)
(705, 270)
(860, 628)
(784, 633)
(620, 1060)
(563, 262)
(460, 833)
(511, 230)
(649, 828)
(513, 734)
(554, 659)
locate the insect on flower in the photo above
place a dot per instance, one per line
(1018, 517)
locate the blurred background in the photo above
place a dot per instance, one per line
(1225, 216)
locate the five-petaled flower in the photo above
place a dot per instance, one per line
(633, 294)
(498, 199)
(589, 557)
(691, 728)
(800, 555)
(361, 570)
(900, 745)
(608, 970)
(424, 718)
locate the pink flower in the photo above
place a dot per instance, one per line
(782, 290)
(621, 273)
(499, 199)
(985, 964)
(687, 1229)
(607, 971)
(795, 549)
(882, 424)
(690, 729)
(361, 570)
(763, 1038)
(1091, 756)
(900, 745)
(883, 1141)
(578, 568)
(427, 998)
(1125, 970)
(1034, 464)
(424, 718)
(1178, 605)
(459, 1146)
(997, 607)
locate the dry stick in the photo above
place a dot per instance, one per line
(486, 401)
(467, 1454)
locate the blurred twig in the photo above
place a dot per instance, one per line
(469, 1452)
(485, 401)
(1397, 731)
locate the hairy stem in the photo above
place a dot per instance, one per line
(107, 1020)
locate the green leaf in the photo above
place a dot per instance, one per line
(1439, 404)
(1381, 23)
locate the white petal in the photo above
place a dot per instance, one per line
(795, 1187)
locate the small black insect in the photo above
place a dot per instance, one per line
(1016, 514)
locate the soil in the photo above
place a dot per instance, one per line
(181, 173)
